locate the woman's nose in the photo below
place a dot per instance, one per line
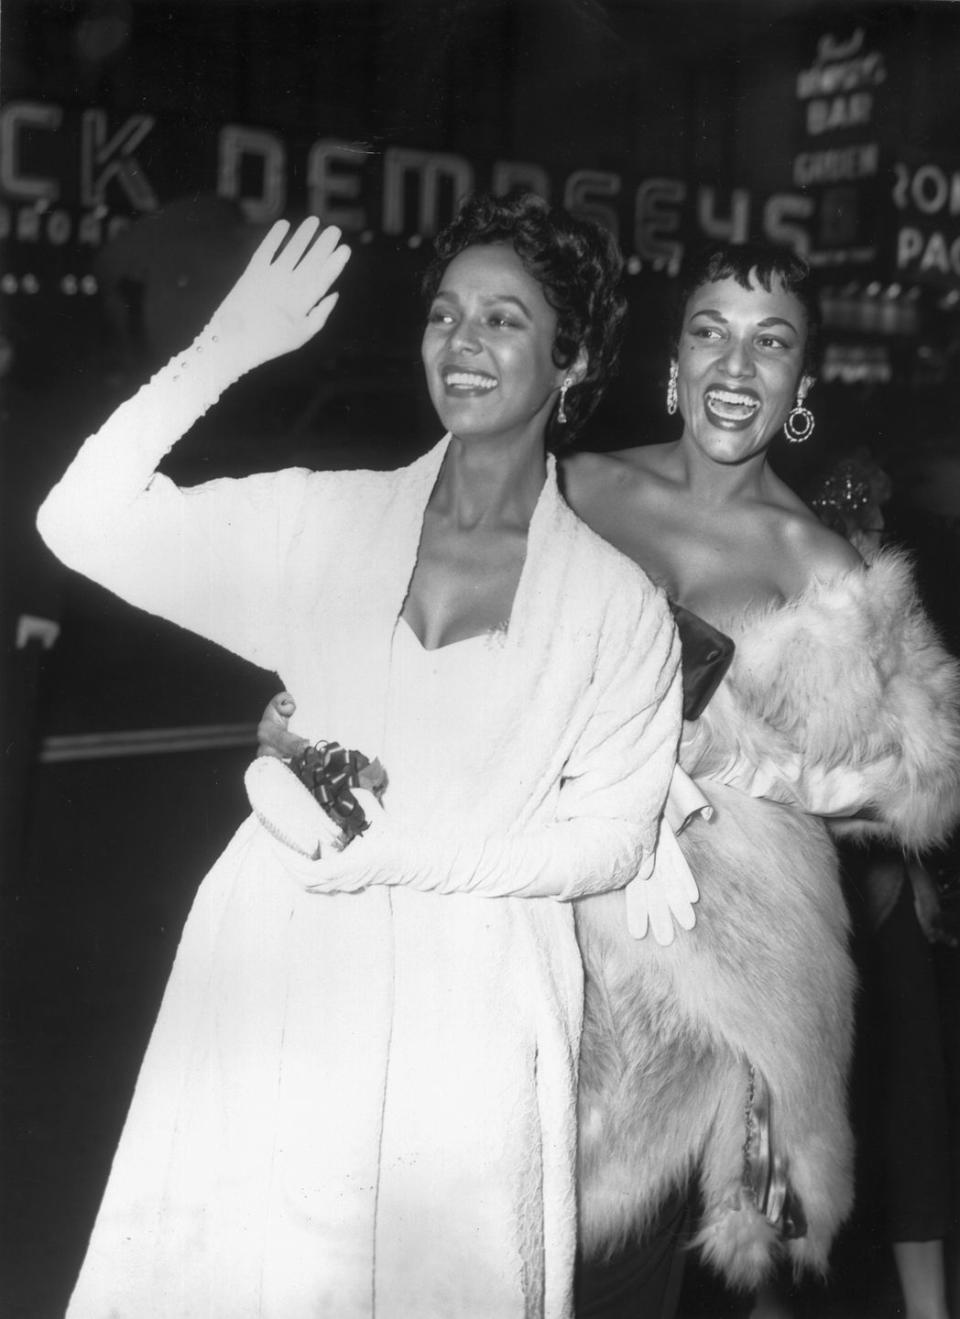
(738, 358)
(466, 335)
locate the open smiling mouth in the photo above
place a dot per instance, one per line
(468, 382)
(731, 407)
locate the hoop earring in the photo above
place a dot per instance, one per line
(672, 388)
(561, 410)
(799, 423)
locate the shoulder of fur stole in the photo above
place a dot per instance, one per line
(853, 672)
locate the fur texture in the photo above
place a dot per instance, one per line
(847, 690)
(849, 679)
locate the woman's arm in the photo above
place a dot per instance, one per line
(201, 557)
(610, 802)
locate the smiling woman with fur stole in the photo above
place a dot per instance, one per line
(726, 1052)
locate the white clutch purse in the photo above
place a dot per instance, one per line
(320, 800)
(288, 809)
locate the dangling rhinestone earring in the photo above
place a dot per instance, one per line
(799, 423)
(562, 411)
(672, 388)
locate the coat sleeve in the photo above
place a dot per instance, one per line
(209, 557)
(610, 801)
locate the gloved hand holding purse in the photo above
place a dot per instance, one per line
(319, 800)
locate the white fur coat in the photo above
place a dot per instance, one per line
(841, 703)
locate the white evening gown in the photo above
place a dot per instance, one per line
(455, 1073)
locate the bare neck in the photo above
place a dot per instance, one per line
(489, 482)
(715, 484)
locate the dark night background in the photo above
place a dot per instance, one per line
(143, 148)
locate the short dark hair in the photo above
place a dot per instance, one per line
(578, 265)
(768, 264)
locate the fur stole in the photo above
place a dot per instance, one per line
(848, 681)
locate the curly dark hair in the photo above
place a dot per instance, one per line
(578, 265)
(767, 264)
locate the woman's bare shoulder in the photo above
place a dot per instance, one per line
(820, 551)
(587, 474)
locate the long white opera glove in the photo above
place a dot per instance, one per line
(666, 897)
(669, 894)
(281, 300)
(115, 519)
(530, 864)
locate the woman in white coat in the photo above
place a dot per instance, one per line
(359, 1096)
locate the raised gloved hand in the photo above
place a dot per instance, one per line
(282, 298)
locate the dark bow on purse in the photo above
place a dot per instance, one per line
(332, 772)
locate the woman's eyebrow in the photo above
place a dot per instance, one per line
(767, 323)
(490, 298)
(778, 320)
